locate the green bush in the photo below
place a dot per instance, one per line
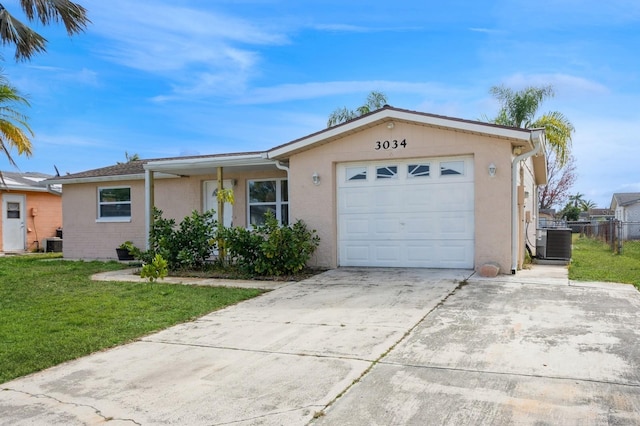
(186, 247)
(270, 249)
(155, 270)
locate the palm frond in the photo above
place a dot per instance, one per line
(73, 16)
(27, 41)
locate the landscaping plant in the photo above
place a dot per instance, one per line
(270, 249)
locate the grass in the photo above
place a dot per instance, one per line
(592, 260)
(51, 311)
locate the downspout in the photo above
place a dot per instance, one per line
(536, 138)
(281, 166)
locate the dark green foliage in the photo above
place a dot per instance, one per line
(270, 249)
(187, 246)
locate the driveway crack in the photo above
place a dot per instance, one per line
(73, 404)
(378, 360)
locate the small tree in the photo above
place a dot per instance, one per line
(559, 182)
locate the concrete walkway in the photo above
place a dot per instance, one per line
(366, 347)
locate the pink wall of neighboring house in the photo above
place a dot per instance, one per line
(45, 222)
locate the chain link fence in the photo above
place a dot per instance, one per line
(613, 232)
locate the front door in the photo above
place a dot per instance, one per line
(13, 222)
(210, 199)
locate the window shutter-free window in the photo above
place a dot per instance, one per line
(114, 202)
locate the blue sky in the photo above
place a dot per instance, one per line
(167, 78)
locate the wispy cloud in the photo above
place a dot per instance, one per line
(195, 49)
(291, 92)
(568, 84)
(487, 30)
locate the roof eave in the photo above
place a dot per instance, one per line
(179, 166)
(388, 114)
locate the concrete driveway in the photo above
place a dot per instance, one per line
(364, 347)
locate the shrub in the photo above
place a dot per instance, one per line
(157, 269)
(270, 249)
(186, 247)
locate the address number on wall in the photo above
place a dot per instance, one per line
(393, 144)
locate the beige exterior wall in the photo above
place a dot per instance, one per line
(45, 222)
(317, 204)
(87, 238)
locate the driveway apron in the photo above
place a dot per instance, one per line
(278, 359)
(525, 351)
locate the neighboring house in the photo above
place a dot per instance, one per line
(31, 211)
(626, 207)
(393, 188)
(599, 215)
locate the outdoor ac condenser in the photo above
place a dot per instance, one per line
(558, 244)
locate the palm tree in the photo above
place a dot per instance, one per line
(518, 109)
(29, 42)
(14, 129)
(576, 199)
(586, 205)
(375, 100)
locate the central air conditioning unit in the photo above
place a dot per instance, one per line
(554, 244)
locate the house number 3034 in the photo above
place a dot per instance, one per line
(393, 144)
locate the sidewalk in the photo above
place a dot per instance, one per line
(133, 275)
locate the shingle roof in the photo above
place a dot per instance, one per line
(132, 168)
(626, 198)
(120, 169)
(28, 181)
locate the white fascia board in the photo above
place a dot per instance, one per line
(22, 188)
(523, 135)
(100, 179)
(175, 166)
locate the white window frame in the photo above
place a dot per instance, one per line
(103, 203)
(278, 203)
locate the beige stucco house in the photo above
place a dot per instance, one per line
(393, 188)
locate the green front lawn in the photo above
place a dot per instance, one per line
(51, 311)
(593, 260)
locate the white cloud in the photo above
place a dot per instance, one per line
(564, 83)
(291, 92)
(187, 46)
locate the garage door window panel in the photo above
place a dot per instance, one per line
(419, 170)
(452, 168)
(387, 172)
(356, 174)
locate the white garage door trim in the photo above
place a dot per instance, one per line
(406, 213)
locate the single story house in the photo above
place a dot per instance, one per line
(626, 207)
(392, 188)
(31, 211)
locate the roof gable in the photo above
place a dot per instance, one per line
(624, 199)
(389, 114)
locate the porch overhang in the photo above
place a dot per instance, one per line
(206, 165)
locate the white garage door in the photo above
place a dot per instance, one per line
(409, 213)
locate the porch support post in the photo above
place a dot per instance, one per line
(149, 204)
(220, 201)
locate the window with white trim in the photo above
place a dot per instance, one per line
(269, 195)
(114, 203)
